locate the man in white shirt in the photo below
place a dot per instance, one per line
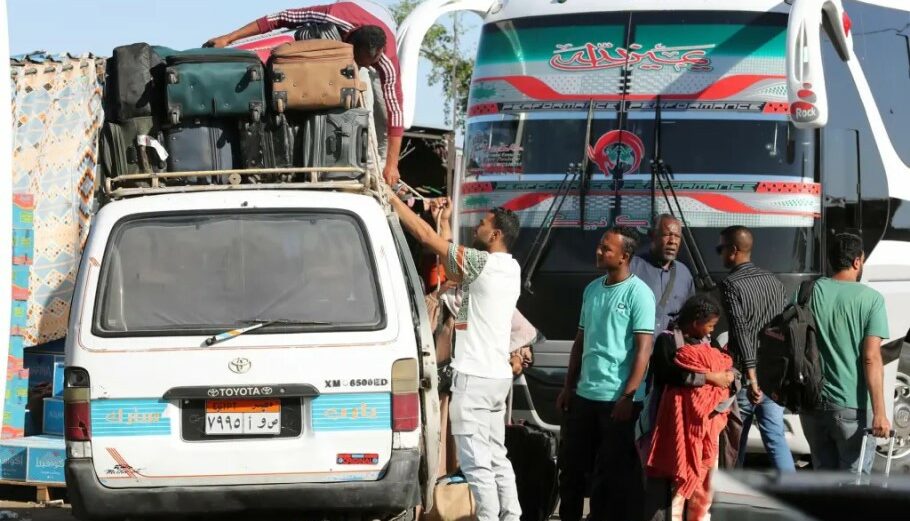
(490, 280)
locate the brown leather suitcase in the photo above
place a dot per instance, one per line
(314, 75)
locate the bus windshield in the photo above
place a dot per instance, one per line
(542, 85)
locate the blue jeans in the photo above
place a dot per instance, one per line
(835, 436)
(770, 418)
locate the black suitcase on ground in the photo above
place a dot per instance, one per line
(336, 139)
(532, 451)
(202, 144)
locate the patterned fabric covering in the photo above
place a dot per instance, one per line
(56, 107)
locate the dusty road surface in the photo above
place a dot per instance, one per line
(16, 511)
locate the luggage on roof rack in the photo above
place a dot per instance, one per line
(212, 82)
(196, 120)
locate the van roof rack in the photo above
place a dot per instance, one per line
(309, 178)
(306, 178)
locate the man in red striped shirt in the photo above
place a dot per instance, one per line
(374, 46)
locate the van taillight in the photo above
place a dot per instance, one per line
(77, 408)
(405, 400)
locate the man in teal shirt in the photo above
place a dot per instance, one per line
(603, 392)
(851, 322)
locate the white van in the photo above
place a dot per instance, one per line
(328, 406)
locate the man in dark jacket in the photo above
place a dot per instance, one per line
(669, 279)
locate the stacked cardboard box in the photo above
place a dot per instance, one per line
(35, 459)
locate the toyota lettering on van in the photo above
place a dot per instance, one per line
(234, 392)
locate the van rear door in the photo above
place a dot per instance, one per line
(308, 397)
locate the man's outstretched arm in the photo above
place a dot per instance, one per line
(250, 29)
(419, 228)
(286, 18)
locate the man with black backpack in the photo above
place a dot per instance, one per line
(850, 323)
(752, 298)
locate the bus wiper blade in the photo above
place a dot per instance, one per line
(257, 324)
(662, 176)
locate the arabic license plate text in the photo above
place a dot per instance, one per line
(242, 417)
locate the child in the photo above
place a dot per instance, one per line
(684, 446)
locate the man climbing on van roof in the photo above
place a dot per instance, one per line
(374, 46)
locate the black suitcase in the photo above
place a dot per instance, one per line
(202, 144)
(135, 82)
(268, 144)
(336, 139)
(532, 451)
(131, 147)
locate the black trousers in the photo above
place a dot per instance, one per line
(658, 499)
(596, 445)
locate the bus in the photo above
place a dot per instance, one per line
(787, 117)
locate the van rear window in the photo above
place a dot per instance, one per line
(192, 273)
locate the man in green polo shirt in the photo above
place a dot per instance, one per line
(603, 392)
(851, 322)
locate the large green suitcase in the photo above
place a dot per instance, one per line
(213, 82)
(132, 146)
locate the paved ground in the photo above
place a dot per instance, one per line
(12, 510)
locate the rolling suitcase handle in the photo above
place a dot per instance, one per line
(862, 454)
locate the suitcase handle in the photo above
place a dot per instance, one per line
(862, 454)
(868, 432)
(364, 145)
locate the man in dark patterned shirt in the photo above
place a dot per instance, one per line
(752, 298)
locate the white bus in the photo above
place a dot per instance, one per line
(789, 118)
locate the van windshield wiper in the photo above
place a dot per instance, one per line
(257, 324)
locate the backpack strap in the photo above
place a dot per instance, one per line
(678, 338)
(669, 289)
(805, 292)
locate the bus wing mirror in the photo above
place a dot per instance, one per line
(410, 39)
(806, 90)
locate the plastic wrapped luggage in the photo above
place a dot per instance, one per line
(213, 82)
(202, 144)
(135, 84)
(314, 75)
(336, 139)
(131, 147)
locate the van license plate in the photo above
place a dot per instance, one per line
(242, 417)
